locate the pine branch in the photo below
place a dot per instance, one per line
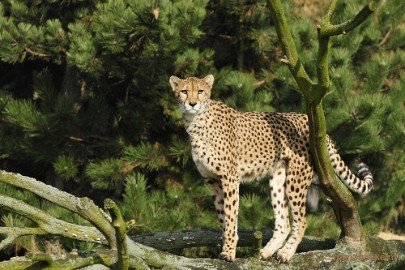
(30, 51)
(386, 37)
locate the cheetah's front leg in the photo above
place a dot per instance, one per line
(231, 203)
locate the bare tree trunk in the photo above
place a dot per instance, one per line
(345, 206)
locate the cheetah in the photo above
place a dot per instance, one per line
(230, 147)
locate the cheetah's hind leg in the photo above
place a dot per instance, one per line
(297, 199)
(279, 203)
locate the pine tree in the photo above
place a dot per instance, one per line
(89, 65)
(112, 58)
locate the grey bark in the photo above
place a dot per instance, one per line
(168, 241)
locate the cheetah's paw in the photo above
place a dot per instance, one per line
(265, 254)
(227, 256)
(270, 249)
(284, 255)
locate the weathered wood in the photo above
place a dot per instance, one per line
(120, 233)
(84, 207)
(383, 255)
(48, 223)
(380, 254)
(212, 238)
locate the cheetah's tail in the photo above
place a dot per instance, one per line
(362, 184)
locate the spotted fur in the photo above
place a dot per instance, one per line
(231, 147)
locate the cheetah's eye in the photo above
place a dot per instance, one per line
(183, 92)
(200, 91)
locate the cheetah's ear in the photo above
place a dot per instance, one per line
(209, 79)
(174, 82)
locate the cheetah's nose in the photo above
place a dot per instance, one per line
(192, 104)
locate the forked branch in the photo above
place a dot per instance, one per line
(325, 31)
(328, 30)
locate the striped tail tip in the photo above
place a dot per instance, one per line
(365, 174)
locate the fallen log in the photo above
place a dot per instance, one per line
(168, 241)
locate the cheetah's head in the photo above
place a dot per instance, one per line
(192, 93)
